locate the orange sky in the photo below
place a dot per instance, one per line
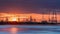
(38, 17)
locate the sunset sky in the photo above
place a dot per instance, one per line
(23, 17)
(30, 7)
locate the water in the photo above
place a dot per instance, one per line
(29, 29)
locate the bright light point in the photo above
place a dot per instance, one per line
(13, 19)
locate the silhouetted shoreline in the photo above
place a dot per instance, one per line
(28, 23)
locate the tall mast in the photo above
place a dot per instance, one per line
(43, 16)
(54, 18)
(49, 16)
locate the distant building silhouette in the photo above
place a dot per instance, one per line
(27, 20)
(18, 19)
(31, 19)
(34, 20)
(6, 19)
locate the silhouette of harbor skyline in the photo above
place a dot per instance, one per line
(52, 20)
(32, 18)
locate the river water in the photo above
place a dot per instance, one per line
(29, 29)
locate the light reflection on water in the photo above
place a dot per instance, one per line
(13, 30)
(29, 29)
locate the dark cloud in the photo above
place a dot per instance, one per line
(28, 6)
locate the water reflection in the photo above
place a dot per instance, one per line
(29, 29)
(13, 30)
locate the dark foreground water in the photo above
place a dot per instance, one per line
(29, 29)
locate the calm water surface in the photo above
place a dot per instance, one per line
(29, 29)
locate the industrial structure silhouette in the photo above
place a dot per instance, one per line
(52, 20)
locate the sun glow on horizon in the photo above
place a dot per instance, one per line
(13, 19)
(24, 17)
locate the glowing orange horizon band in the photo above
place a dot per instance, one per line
(38, 17)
